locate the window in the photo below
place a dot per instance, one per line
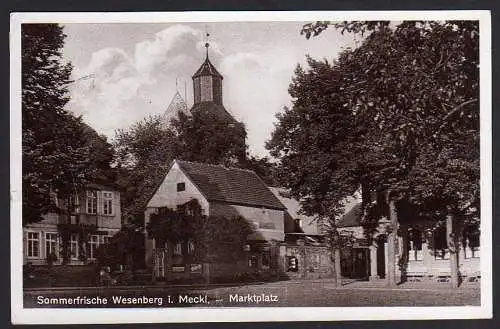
(293, 264)
(190, 247)
(74, 204)
(93, 244)
(178, 249)
(74, 252)
(107, 203)
(266, 260)
(186, 209)
(91, 202)
(316, 261)
(252, 261)
(177, 258)
(51, 244)
(106, 239)
(181, 187)
(33, 247)
(414, 245)
(471, 240)
(440, 244)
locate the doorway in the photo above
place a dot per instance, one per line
(381, 256)
(355, 263)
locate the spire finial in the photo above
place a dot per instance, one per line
(207, 44)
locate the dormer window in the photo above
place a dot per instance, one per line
(181, 187)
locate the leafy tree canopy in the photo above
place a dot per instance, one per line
(143, 154)
(215, 238)
(398, 114)
(60, 153)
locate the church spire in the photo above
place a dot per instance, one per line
(207, 81)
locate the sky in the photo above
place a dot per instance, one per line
(126, 72)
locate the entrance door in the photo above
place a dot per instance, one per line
(381, 257)
(355, 263)
(361, 263)
(160, 263)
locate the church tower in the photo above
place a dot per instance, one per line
(207, 91)
(208, 106)
(207, 83)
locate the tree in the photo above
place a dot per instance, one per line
(55, 155)
(316, 150)
(205, 137)
(143, 154)
(126, 247)
(424, 93)
(215, 238)
(404, 96)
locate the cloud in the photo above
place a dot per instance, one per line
(255, 86)
(120, 89)
(127, 87)
(167, 49)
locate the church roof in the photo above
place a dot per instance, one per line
(178, 104)
(230, 185)
(207, 68)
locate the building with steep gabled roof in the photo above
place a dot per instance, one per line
(220, 192)
(177, 105)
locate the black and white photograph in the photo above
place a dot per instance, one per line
(224, 166)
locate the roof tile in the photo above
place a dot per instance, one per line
(232, 185)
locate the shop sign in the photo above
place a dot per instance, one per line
(195, 268)
(177, 269)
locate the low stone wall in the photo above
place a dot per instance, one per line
(313, 262)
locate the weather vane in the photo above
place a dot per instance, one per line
(207, 35)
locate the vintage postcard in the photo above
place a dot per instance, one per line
(250, 166)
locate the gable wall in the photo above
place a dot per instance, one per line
(269, 223)
(167, 196)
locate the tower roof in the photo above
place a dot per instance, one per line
(178, 104)
(207, 68)
(216, 111)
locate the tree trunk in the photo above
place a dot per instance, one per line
(452, 249)
(391, 245)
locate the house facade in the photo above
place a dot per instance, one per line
(87, 220)
(224, 192)
(421, 249)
